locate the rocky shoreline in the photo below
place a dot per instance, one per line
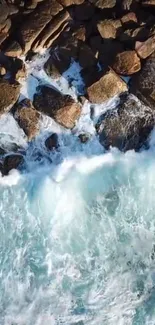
(109, 39)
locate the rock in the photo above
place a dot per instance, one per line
(143, 84)
(9, 94)
(95, 43)
(62, 108)
(2, 151)
(80, 33)
(108, 52)
(14, 49)
(52, 31)
(127, 127)
(108, 86)
(103, 4)
(51, 69)
(145, 49)
(127, 63)
(52, 142)
(67, 3)
(37, 21)
(2, 71)
(147, 3)
(84, 138)
(127, 4)
(84, 11)
(12, 161)
(86, 57)
(108, 28)
(130, 19)
(4, 12)
(27, 117)
(129, 36)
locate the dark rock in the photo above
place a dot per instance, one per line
(108, 86)
(84, 11)
(84, 138)
(127, 63)
(108, 52)
(86, 57)
(27, 118)
(9, 94)
(52, 142)
(62, 108)
(130, 36)
(128, 127)
(12, 161)
(4, 12)
(2, 151)
(143, 84)
(14, 49)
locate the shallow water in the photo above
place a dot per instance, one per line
(77, 236)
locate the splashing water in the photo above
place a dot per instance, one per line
(77, 237)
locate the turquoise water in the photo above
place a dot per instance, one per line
(77, 245)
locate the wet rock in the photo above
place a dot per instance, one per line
(51, 70)
(108, 28)
(14, 49)
(67, 3)
(12, 161)
(143, 84)
(127, 63)
(62, 108)
(84, 138)
(27, 118)
(84, 11)
(9, 94)
(145, 49)
(34, 25)
(108, 86)
(52, 142)
(103, 4)
(128, 127)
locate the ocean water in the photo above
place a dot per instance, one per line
(77, 227)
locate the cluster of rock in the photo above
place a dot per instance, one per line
(109, 39)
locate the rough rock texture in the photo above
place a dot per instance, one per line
(109, 28)
(127, 63)
(143, 85)
(144, 49)
(109, 85)
(27, 118)
(67, 3)
(104, 3)
(52, 142)
(127, 127)
(62, 108)
(9, 94)
(14, 49)
(12, 161)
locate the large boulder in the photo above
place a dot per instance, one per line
(9, 94)
(27, 117)
(108, 86)
(128, 126)
(62, 108)
(127, 63)
(143, 84)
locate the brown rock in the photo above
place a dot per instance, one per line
(52, 142)
(4, 12)
(108, 86)
(14, 49)
(84, 138)
(80, 33)
(127, 63)
(103, 4)
(41, 16)
(145, 49)
(2, 71)
(129, 19)
(67, 3)
(51, 69)
(147, 3)
(52, 31)
(12, 162)
(7, 26)
(137, 34)
(62, 108)
(127, 127)
(27, 118)
(9, 94)
(108, 28)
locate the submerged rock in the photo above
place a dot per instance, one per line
(128, 126)
(12, 161)
(108, 86)
(52, 142)
(27, 117)
(62, 108)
